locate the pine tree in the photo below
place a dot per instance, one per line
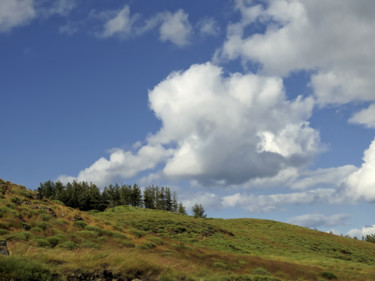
(198, 211)
(174, 202)
(136, 196)
(181, 209)
(168, 200)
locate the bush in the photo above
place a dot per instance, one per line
(70, 245)
(26, 226)
(89, 244)
(60, 221)
(127, 243)
(4, 226)
(328, 275)
(219, 265)
(46, 217)
(43, 242)
(260, 271)
(36, 229)
(53, 240)
(15, 200)
(138, 233)
(87, 234)
(43, 225)
(20, 236)
(22, 269)
(80, 224)
(4, 231)
(147, 245)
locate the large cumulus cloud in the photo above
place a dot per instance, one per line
(221, 129)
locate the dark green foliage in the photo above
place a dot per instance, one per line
(80, 224)
(22, 269)
(370, 238)
(86, 196)
(328, 275)
(43, 242)
(53, 240)
(198, 211)
(70, 245)
(26, 226)
(181, 209)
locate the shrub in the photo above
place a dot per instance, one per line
(127, 243)
(146, 245)
(43, 242)
(53, 240)
(36, 229)
(219, 265)
(89, 244)
(58, 202)
(22, 269)
(20, 236)
(4, 231)
(88, 234)
(80, 224)
(70, 245)
(328, 275)
(24, 193)
(4, 226)
(156, 240)
(46, 217)
(43, 225)
(60, 221)
(138, 233)
(26, 226)
(4, 211)
(260, 271)
(15, 200)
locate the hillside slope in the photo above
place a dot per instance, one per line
(49, 241)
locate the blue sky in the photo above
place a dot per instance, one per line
(260, 109)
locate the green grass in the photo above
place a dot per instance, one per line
(157, 245)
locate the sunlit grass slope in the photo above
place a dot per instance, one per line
(54, 242)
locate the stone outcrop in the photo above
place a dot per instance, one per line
(3, 248)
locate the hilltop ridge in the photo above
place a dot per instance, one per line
(49, 241)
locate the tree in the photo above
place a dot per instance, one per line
(181, 209)
(136, 196)
(198, 211)
(174, 202)
(149, 197)
(168, 200)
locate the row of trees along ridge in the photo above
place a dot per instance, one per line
(87, 196)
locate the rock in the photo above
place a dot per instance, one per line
(3, 248)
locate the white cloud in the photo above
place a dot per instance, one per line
(320, 220)
(365, 117)
(330, 176)
(268, 203)
(216, 126)
(363, 232)
(15, 13)
(208, 27)
(122, 164)
(118, 23)
(176, 28)
(207, 199)
(334, 39)
(56, 7)
(361, 183)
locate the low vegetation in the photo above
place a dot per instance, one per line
(50, 241)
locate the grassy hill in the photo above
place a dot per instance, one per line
(49, 241)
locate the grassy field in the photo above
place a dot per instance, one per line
(49, 241)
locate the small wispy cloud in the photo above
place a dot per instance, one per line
(319, 220)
